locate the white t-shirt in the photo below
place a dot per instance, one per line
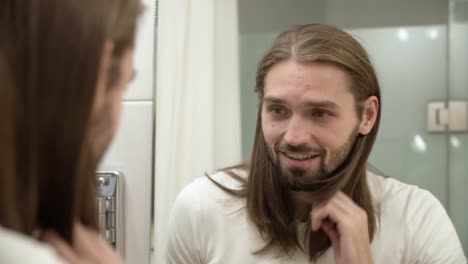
(209, 226)
(16, 248)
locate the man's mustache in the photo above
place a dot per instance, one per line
(285, 147)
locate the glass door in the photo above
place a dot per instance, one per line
(458, 141)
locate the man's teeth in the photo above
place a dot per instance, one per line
(299, 156)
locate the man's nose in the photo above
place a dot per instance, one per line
(296, 133)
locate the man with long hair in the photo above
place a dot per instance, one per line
(306, 195)
(64, 65)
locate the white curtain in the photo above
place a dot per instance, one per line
(197, 99)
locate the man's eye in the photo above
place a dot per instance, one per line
(277, 110)
(320, 114)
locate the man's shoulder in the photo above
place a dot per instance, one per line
(206, 192)
(415, 217)
(209, 183)
(13, 246)
(232, 178)
(392, 194)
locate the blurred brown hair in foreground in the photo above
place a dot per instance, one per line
(50, 54)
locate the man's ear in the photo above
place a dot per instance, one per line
(369, 115)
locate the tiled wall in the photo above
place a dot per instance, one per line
(132, 149)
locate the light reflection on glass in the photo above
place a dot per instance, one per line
(419, 144)
(432, 33)
(455, 141)
(403, 34)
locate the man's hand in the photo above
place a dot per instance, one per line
(345, 223)
(87, 247)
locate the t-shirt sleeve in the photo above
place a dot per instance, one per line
(183, 245)
(433, 236)
(19, 249)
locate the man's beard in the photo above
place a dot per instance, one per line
(301, 179)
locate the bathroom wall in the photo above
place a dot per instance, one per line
(132, 149)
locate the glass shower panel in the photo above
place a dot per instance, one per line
(411, 67)
(458, 147)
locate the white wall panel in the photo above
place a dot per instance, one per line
(131, 153)
(142, 87)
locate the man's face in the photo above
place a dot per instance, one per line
(108, 105)
(309, 119)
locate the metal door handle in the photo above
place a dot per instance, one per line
(450, 118)
(109, 206)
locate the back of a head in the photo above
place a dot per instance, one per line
(50, 55)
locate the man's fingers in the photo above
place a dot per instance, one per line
(323, 213)
(321, 218)
(60, 246)
(316, 217)
(345, 223)
(87, 247)
(329, 210)
(86, 243)
(339, 209)
(345, 200)
(331, 231)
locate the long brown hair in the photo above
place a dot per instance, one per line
(50, 55)
(267, 199)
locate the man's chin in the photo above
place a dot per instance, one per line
(300, 174)
(301, 180)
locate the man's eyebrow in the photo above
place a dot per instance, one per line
(274, 100)
(322, 104)
(318, 104)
